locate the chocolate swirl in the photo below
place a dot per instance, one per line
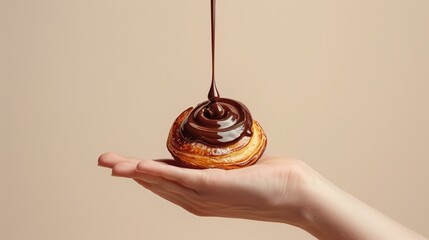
(217, 123)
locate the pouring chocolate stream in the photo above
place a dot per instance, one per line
(218, 121)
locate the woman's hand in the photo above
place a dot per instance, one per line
(274, 189)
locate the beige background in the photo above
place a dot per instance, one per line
(343, 85)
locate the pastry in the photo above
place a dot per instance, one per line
(218, 133)
(233, 141)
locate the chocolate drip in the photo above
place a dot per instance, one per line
(218, 121)
(213, 93)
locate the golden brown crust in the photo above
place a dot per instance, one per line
(243, 153)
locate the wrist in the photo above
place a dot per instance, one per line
(316, 202)
(320, 198)
(301, 200)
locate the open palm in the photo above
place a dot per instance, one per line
(270, 190)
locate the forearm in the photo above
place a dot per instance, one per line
(331, 213)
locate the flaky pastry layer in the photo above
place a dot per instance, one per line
(244, 152)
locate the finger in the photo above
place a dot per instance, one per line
(171, 162)
(268, 156)
(124, 169)
(128, 170)
(187, 177)
(111, 159)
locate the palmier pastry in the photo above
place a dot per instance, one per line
(219, 133)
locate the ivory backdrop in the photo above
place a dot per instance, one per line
(343, 85)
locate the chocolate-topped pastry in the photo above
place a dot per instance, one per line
(217, 122)
(218, 133)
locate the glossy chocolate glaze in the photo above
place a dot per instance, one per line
(218, 121)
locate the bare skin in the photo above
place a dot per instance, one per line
(276, 189)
